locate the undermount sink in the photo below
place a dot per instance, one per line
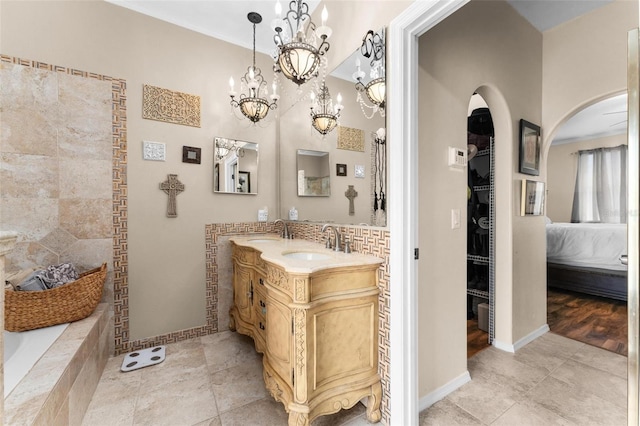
(306, 255)
(262, 240)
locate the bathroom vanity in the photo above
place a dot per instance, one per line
(313, 314)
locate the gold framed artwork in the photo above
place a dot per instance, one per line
(532, 198)
(171, 107)
(350, 139)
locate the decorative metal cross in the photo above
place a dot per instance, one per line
(351, 194)
(172, 186)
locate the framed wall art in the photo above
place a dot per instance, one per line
(532, 198)
(191, 154)
(529, 148)
(341, 169)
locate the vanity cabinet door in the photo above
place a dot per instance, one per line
(278, 335)
(243, 291)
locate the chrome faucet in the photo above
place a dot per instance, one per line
(337, 246)
(285, 228)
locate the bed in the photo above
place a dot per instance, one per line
(585, 257)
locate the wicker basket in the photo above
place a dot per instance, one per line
(28, 310)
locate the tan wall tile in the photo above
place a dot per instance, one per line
(37, 136)
(58, 240)
(31, 218)
(29, 255)
(28, 176)
(90, 179)
(88, 254)
(27, 87)
(86, 218)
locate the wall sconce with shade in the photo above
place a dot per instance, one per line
(297, 56)
(324, 114)
(253, 91)
(372, 48)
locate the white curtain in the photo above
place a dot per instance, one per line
(601, 186)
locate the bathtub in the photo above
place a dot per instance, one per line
(23, 350)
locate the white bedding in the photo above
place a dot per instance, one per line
(591, 245)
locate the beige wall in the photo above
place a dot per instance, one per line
(562, 164)
(166, 256)
(585, 60)
(296, 133)
(489, 47)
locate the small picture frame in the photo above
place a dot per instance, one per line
(532, 198)
(358, 171)
(341, 169)
(191, 154)
(244, 182)
(529, 148)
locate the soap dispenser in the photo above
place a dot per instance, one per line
(293, 214)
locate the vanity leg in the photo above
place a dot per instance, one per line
(298, 419)
(232, 323)
(373, 404)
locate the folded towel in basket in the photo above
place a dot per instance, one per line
(52, 277)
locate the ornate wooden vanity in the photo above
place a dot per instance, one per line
(315, 319)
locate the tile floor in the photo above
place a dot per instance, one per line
(214, 380)
(217, 380)
(551, 381)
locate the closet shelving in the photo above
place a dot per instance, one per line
(485, 158)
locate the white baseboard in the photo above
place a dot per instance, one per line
(435, 396)
(522, 342)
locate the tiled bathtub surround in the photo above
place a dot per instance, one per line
(62, 165)
(58, 389)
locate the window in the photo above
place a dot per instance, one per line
(601, 186)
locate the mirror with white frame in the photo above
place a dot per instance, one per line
(235, 166)
(313, 173)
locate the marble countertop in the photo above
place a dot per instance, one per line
(275, 250)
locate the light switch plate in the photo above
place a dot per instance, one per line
(457, 157)
(359, 171)
(455, 218)
(263, 215)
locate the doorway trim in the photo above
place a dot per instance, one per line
(404, 32)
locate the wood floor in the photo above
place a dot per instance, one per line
(477, 339)
(597, 321)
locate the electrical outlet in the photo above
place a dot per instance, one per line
(263, 215)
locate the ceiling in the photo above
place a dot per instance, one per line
(227, 20)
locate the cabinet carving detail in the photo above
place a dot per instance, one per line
(261, 264)
(278, 278)
(301, 286)
(272, 386)
(301, 320)
(242, 255)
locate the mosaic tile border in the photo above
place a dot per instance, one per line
(119, 201)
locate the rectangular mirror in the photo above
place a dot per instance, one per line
(235, 166)
(313, 173)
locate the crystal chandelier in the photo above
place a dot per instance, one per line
(297, 56)
(324, 115)
(225, 146)
(253, 89)
(372, 48)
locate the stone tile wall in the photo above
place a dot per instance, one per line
(62, 157)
